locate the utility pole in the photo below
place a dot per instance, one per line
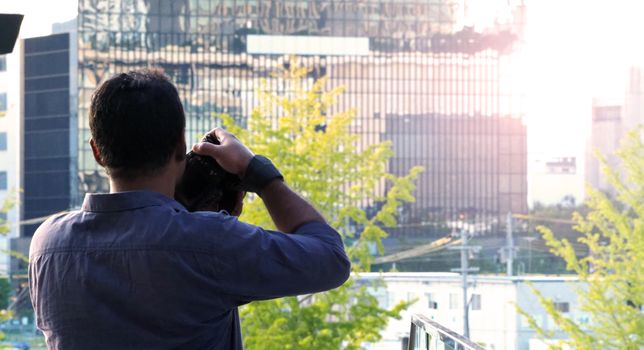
(464, 269)
(509, 245)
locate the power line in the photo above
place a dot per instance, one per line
(543, 218)
(434, 246)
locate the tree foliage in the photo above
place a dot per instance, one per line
(320, 159)
(612, 273)
(5, 285)
(7, 204)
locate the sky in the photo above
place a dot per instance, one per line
(574, 50)
(40, 14)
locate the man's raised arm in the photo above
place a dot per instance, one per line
(287, 209)
(273, 264)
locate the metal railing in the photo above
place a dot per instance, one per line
(426, 334)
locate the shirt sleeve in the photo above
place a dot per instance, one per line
(261, 264)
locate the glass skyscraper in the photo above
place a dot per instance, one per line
(426, 74)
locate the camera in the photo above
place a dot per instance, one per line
(206, 186)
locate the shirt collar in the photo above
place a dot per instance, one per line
(122, 201)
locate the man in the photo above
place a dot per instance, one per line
(133, 269)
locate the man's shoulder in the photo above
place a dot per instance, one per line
(167, 227)
(56, 220)
(51, 226)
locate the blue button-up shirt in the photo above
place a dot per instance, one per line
(135, 270)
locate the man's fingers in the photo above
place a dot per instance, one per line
(206, 148)
(219, 133)
(231, 154)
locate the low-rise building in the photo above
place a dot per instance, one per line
(494, 320)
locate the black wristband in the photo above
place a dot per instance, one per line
(259, 173)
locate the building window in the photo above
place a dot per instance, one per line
(476, 302)
(562, 306)
(3, 141)
(3, 180)
(431, 301)
(3, 63)
(453, 301)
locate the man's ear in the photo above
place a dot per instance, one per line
(180, 151)
(97, 154)
(239, 204)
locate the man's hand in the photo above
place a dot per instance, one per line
(231, 154)
(288, 210)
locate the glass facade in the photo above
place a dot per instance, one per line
(3, 180)
(3, 141)
(423, 73)
(47, 131)
(3, 104)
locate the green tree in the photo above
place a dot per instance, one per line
(612, 273)
(320, 159)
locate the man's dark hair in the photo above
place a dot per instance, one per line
(137, 121)
(206, 186)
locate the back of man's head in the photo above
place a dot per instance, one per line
(137, 123)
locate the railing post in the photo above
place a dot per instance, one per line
(411, 343)
(434, 333)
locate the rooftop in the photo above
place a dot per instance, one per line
(452, 276)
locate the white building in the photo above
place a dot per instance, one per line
(611, 120)
(634, 98)
(10, 146)
(606, 131)
(493, 317)
(554, 179)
